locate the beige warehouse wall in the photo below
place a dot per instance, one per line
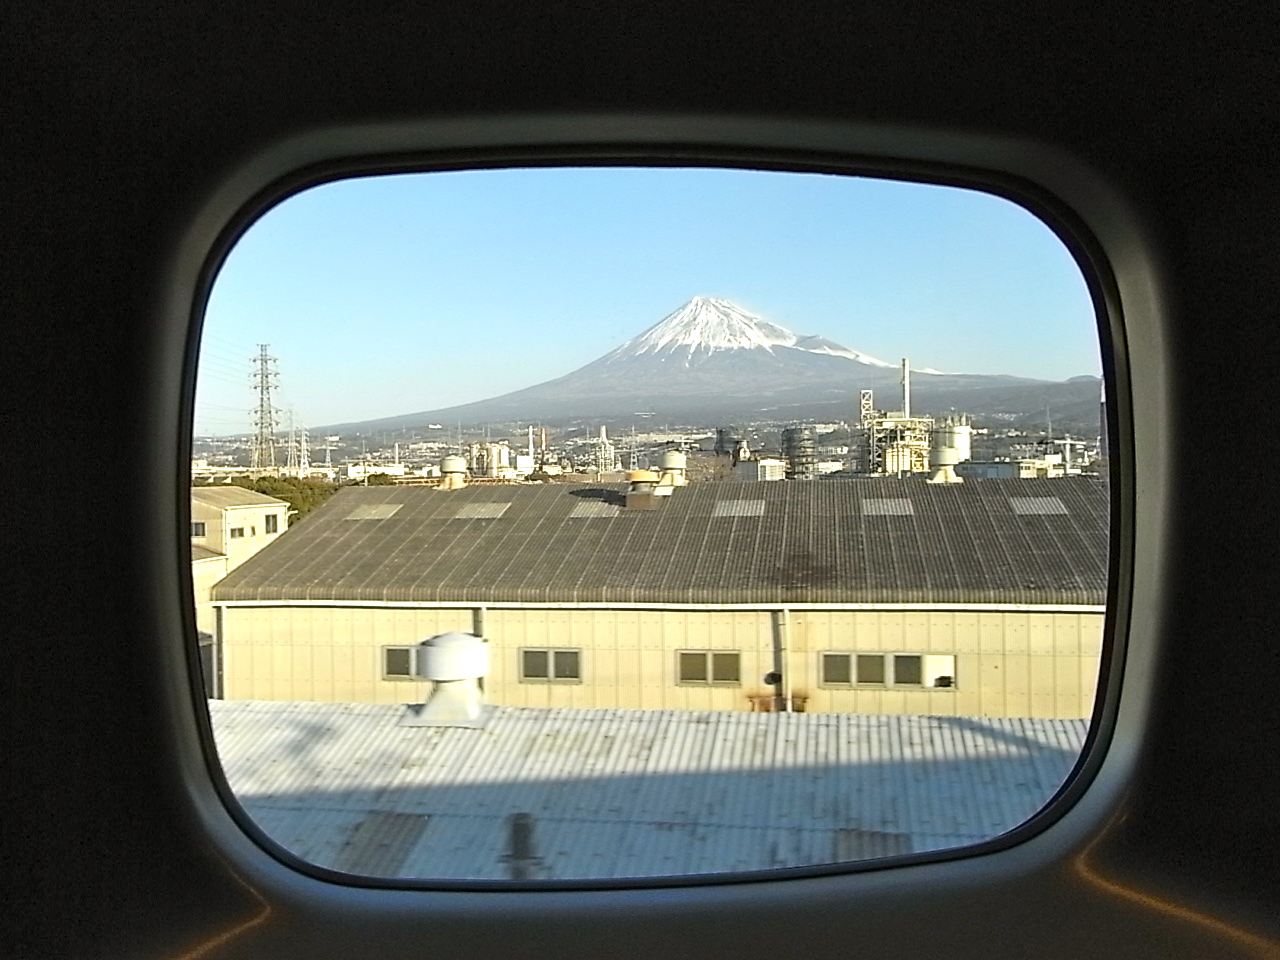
(1007, 663)
(204, 574)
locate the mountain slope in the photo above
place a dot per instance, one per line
(711, 359)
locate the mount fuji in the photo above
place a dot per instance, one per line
(711, 359)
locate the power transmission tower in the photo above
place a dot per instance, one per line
(264, 417)
(291, 467)
(304, 452)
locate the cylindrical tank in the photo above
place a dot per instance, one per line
(674, 460)
(453, 465)
(952, 444)
(673, 464)
(453, 656)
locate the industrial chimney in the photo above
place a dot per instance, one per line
(454, 662)
(906, 389)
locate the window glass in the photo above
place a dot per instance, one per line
(906, 670)
(734, 503)
(693, 667)
(398, 662)
(536, 664)
(566, 664)
(836, 668)
(724, 667)
(871, 668)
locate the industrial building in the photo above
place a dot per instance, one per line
(980, 599)
(586, 794)
(229, 524)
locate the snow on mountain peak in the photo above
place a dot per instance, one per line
(709, 324)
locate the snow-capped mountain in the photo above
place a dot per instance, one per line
(712, 359)
(706, 325)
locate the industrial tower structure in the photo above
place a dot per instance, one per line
(895, 442)
(265, 377)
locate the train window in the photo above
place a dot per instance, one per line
(810, 470)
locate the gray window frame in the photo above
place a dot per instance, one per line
(709, 656)
(199, 529)
(271, 523)
(889, 671)
(382, 662)
(551, 664)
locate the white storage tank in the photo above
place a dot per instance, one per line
(952, 444)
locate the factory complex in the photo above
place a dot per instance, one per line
(879, 596)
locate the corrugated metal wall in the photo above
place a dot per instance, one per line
(1007, 664)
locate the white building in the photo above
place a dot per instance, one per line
(766, 468)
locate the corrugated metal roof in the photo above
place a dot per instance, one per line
(630, 793)
(229, 495)
(815, 542)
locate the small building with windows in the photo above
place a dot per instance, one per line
(229, 524)
(982, 599)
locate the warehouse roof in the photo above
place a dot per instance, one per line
(229, 495)
(870, 541)
(630, 793)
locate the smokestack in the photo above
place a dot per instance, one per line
(530, 441)
(906, 389)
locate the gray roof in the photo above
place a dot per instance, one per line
(229, 495)
(204, 553)
(1038, 542)
(630, 793)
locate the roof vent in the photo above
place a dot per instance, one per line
(641, 490)
(453, 473)
(454, 662)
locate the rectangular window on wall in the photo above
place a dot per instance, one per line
(907, 671)
(272, 523)
(881, 669)
(709, 667)
(547, 665)
(870, 668)
(397, 663)
(197, 529)
(237, 533)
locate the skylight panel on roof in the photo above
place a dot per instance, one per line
(888, 507)
(481, 511)
(373, 511)
(1037, 506)
(738, 508)
(589, 509)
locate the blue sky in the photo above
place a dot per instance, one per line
(390, 295)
